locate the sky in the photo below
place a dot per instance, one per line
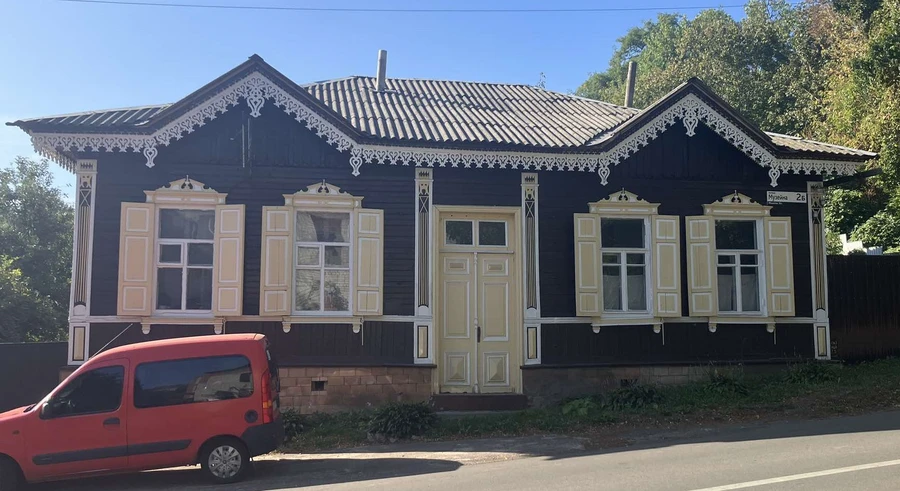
(59, 57)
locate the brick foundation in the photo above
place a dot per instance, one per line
(548, 386)
(352, 388)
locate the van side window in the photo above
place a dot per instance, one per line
(174, 382)
(96, 391)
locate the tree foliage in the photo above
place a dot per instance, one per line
(823, 69)
(36, 243)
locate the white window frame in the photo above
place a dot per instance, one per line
(351, 245)
(623, 271)
(760, 266)
(476, 242)
(159, 242)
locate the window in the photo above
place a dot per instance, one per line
(737, 265)
(96, 391)
(322, 262)
(170, 383)
(623, 248)
(184, 261)
(462, 232)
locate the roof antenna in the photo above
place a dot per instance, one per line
(629, 84)
(381, 76)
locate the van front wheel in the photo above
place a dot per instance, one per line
(225, 460)
(9, 475)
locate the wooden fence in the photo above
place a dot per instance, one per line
(28, 371)
(864, 306)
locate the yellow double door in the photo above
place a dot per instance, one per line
(479, 320)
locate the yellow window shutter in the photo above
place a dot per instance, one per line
(701, 241)
(587, 265)
(276, 271)
(779, 266)
(369, 262)
(667, 260)
(228, 262)
(137, 233)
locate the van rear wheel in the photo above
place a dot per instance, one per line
(10, 478)
(224, 460)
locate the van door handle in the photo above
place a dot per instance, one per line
(111, 422)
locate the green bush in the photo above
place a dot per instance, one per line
(581, 407)
(634, 396)
(725, 382)
(402, 420)
(811, 373)
(293, 423)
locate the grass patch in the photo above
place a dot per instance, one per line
(805, 390)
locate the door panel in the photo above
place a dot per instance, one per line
(84, 428)
(457, 322)
(498, 319)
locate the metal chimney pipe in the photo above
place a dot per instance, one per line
(382, 69)
(629, 84)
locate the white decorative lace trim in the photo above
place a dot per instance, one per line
(256, 89)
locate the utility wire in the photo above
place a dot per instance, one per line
(398, 10)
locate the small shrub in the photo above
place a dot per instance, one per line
(811, 373)
(725, 382)
(293, 423)
(581, 407)
(402, 420)
(634, 396)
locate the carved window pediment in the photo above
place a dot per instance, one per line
(186, 191)
(324, 195)
(737, 204)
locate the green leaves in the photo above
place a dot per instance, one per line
(36, 240)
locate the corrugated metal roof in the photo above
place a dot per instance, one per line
(439, 111)
(109, 118)
(803, 145)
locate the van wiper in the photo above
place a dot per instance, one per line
(29, 408)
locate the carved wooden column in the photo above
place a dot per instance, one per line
(80, 296)
(818, 257)
(424, 327)
(531, 274)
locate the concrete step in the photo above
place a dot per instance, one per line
(479, 402)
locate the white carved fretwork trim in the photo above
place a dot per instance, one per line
(255, 88)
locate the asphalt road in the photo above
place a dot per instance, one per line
(854, 453)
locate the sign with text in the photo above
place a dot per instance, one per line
(775, 197)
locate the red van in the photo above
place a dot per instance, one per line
(211, 400)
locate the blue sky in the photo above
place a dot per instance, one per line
(59, 57)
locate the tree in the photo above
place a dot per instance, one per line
(36, 241)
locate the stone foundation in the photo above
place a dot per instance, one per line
(332, 389)
(548, 386)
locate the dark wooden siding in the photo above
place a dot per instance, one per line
(285, 158)
(379, 343)
(864, 306)
(576, 344)
(30, 371)
(682, 174)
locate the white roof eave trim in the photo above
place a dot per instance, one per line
(256, 89)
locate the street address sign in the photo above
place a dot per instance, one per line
(775, 197)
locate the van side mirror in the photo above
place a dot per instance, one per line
(46, 411)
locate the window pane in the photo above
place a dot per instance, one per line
(187, 224)
(170, 383)
(621, 232)
(749, 289)
(492, 233)
(458, 232)
(97, 391)
(170, 253)
(199, 289)
(726, 259)
(727, 290)
(611, 258)
(735, 234)
(308, 256)
(637, 288)
(337, 291)
(635, 258)
(337, 256)
(317, 226)
(307, 289)
(748, 259)
(612, 288)
(168, 289)
(200, 254)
